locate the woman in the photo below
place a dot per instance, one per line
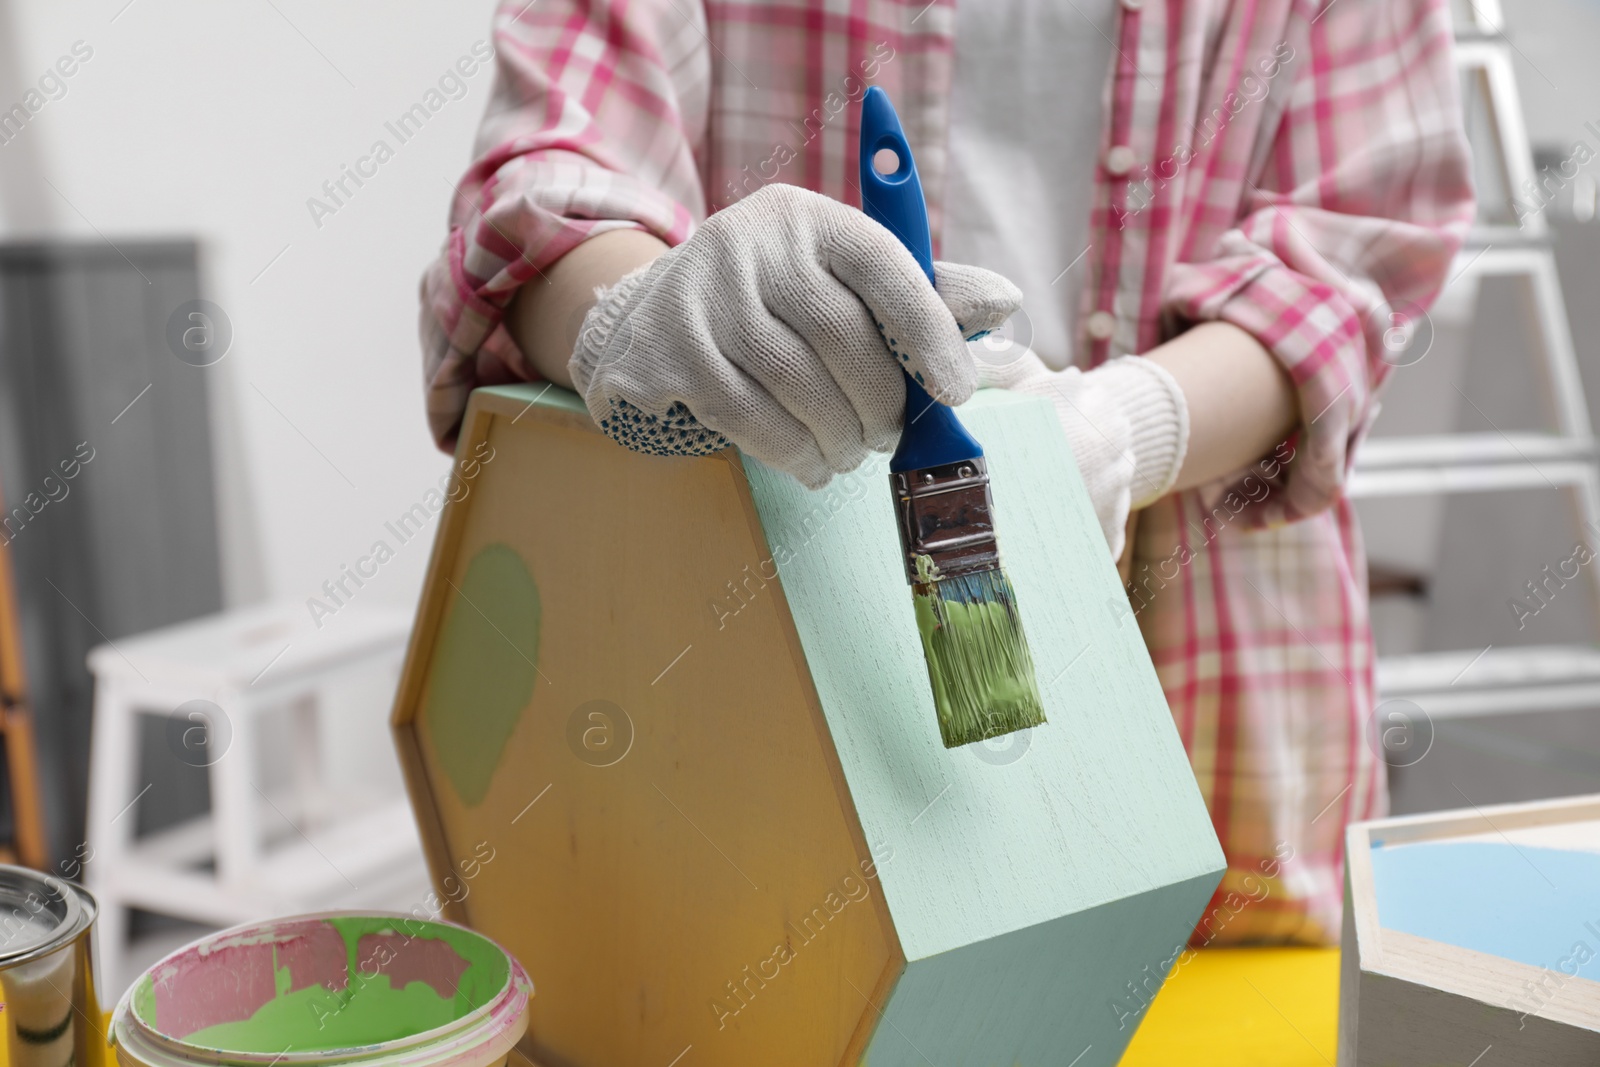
(1216, 210)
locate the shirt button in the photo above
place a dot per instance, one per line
(1101, 325)
(1119, 159)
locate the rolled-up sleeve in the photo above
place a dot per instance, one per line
(1348, 228)
(597, 113)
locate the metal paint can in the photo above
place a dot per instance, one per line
(49, 998)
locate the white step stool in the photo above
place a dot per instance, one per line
(263, 850)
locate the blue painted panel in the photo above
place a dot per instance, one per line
(1539, 906)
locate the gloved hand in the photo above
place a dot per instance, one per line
(781, 327)
(1126, 420)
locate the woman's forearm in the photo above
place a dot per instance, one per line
(546, 314)
(1241, 401)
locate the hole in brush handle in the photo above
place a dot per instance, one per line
(894, 199)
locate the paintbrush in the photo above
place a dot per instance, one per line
(978, 660)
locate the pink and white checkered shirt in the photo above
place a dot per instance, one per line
(1295, 167)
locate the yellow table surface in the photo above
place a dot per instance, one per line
(1244, 1007)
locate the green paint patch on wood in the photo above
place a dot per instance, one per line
(483, 668)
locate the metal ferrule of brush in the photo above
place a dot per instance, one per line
(946, 514)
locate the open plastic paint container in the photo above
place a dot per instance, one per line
(333, 988)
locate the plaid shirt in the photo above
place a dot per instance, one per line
(1294, 167)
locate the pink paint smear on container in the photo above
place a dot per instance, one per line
(334, 988)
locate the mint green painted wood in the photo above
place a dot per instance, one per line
(1102, 804)
(1056, 993)
(547, 396)
(1099, 806)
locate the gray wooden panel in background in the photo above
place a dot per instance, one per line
(132, 545)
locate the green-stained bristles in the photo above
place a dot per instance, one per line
(978, 660)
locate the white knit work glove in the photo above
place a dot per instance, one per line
(781, 327)
(1126, 421)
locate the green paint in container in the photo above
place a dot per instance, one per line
(337, 988)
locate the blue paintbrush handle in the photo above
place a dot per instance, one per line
(933, 436)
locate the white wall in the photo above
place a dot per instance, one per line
(219, 121)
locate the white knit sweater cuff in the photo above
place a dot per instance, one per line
(612, 304)
(1159, 416)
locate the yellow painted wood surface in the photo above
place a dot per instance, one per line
(705, 885)
(1243, 1007)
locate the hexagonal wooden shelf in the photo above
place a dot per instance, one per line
(668, 732)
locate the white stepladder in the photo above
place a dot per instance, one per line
(284, 833)
(1538, 678)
